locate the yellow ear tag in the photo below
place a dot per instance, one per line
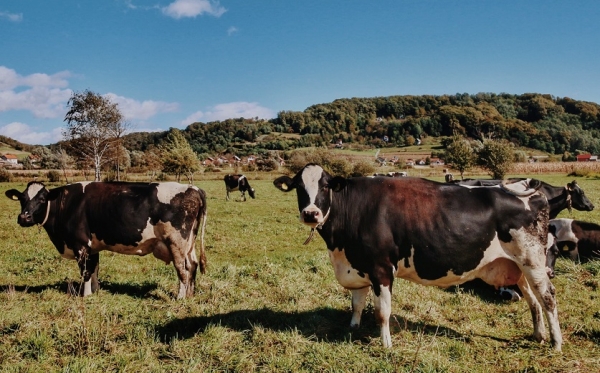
(284, 186)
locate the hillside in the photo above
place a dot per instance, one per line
(543, 122)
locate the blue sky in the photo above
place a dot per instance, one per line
(168, 63)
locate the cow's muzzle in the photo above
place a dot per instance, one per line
(25, 220)
(311, 217)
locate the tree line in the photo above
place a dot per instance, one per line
(96, 135)
(539, 121)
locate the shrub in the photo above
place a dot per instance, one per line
(5, 176)
(53, 176)
(363, 168)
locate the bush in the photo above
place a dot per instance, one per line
(53, 176)
(363, 168)
(5, 176)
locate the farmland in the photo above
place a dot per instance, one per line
(268, 303)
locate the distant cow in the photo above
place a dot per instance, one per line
(431, 233)
(238, 182)
(83, 219)
(449, 177)
(576, 239)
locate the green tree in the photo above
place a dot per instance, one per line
(178, 156)
(94, 126)
(460, 155)
(496, 157)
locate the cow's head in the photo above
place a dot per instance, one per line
(34, 203)
(251, 192)
(314, 188)
(578, 200)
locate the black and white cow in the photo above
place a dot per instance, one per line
(85, 218)
(431, 233)
(238, 182)
(576, 239)
(559, 198)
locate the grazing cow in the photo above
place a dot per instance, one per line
(576, 239)
(83, 219)
(431, 233)
(559, 198)
(238, 182)
(449, 178)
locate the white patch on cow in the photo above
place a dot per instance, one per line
(87, 288)
(563, 230)
(84, 184)
(494, 252)
(33, 190)
(153, 241)
(167, 191)
(347, 276)
(383, 310)
(310, 177)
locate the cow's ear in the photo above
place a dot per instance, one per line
(13, 194)
(571, 186)
(284, 183)
(337, 183)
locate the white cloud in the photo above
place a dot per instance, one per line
(45, 96)
(25, 134)
(9, 79)
(232, 30)
(133, 109)
(230, 110)
(193, 8)
(12, 16)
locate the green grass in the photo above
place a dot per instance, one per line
(268, 303)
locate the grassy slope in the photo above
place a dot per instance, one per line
(268, 303)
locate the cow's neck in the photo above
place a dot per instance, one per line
(558, 200)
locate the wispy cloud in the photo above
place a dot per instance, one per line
(230, 110)
(141, 110)
(232, 30)
(25, 134)
(193, 8)
(13, 17)
(45, 96)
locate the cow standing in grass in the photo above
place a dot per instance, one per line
(377, 229)
(85, 218)
(238, 182)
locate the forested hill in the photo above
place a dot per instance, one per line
(544, 122)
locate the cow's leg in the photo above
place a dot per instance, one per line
(383, 311)
(243, 197)
(227, 197)
(359, 300)
(181, 263)
(539, 329)
(88, 268)
(191, 264)
(94, 278)
(541, 291)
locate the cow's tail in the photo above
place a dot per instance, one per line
(201, 223)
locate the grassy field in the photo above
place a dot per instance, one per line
(267, 303)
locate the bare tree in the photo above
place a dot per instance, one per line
(64, 161)
(94, 126)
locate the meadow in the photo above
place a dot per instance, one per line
(267, 303)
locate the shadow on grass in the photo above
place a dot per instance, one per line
(72, 287)
(486, 292)
(324, 324)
